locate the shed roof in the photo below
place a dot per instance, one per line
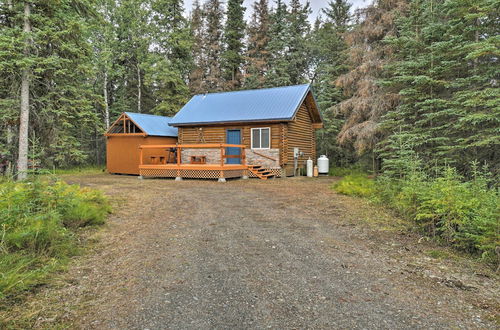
(269, 104)
(152, 124)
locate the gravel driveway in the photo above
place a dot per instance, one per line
(251, 254)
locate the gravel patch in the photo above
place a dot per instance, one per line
(252, 254)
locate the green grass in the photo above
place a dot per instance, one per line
(438, 254)
(38, 222)
(355, 185)
(78, 170)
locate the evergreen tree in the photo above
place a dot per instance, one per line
(445, 72)
(257, 53)
(212, 44)
(133, 42)
(103, 41)
(337, 14)
(233, 56)
(296, 54)
(9, 100)
(278, 46)
(58, 68)
(197, 73)
(170, 60)
(328, 60)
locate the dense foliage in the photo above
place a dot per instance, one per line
(38, 220)
(463, 214)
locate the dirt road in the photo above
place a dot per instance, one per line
(286, 253)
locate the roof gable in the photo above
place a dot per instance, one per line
(149, 124)
(270, 104)
(153, 125)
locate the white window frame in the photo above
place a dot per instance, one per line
(260, 130)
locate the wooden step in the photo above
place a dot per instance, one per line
(261, 173)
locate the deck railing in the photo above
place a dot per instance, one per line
(180, 147)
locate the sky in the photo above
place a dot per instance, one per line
(316, 5)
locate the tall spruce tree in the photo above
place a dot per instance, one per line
(445, 73)
(9, 100)
(328, 60)
(233, 56)
(213, 45)
(197, 73)
(133, 42)
(278, 46)
(103, 42)
(257, 55)
(296, 53)
(55, 62)
(169, 60)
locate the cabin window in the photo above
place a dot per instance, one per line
(261, 138)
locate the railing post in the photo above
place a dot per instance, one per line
(179, 151)
(221, 155)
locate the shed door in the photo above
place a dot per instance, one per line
(233, 136)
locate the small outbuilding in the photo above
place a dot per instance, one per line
(132, 130)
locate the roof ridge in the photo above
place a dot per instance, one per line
(252, 90)
(147, 114)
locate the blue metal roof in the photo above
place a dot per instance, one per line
(153, 125)
(268, 104)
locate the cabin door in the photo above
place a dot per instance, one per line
(233, 136)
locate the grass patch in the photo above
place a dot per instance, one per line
(355, 185)
(345, 171)
(438, 254)
(75, 170)
(38, 222)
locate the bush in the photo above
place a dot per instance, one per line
(355, 185)
(464, 214)
(37, 222)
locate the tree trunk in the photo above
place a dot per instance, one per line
(10, 136)
(10, 132)
(106, 104)
(22, 160)
(138, 88)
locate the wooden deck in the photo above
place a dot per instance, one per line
(179, 170)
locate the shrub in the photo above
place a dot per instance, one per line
(355, 185)
(37, 220)
(464, 214)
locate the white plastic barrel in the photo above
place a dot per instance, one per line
(323, 164)
(310, 167)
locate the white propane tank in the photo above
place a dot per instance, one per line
(309, 168)
(323, 164)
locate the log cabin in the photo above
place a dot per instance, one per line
(275, 127)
